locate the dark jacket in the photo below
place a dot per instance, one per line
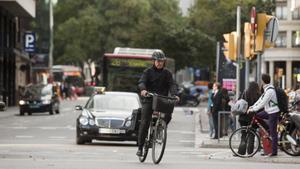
(217, 102)
(158, 81)
(245, 119)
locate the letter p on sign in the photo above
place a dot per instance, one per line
(29, 42)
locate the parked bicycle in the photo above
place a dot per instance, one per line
(157, 132)
(289, 137)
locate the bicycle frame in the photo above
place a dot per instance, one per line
(255, 120)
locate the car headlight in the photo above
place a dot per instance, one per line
(86, 113)
(46, 102)
(83, 120)
(128, 123)
(22, 102)
(92, 122)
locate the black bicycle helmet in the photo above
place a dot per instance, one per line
(158, 55)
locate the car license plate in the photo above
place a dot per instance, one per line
(34, 106)
(110, 131)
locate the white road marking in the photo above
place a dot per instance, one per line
(22, 128)
(180, 131)
(48, 128)
(56, 137)
(186, 141)
(24, 136)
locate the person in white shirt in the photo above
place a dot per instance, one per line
(268, 101)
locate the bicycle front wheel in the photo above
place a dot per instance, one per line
(159, 141)
(145, 151)
(290, 142)
(244, 142)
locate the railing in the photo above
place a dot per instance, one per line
(225, 120)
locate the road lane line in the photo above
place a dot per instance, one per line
(24, 136)
(20, 128)
(57, 137)
(48, 128)
(186, 141)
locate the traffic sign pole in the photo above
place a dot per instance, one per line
(238, 32)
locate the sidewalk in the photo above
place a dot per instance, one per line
(220, 149)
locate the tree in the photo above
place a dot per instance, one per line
(85, 30)
(211, 19)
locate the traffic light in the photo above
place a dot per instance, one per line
(262, 20)
(249, 42)
(230, 46)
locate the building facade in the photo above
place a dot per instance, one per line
(283, 61)
(15, 17)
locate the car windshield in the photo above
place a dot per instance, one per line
(113, 102)
(37, 91)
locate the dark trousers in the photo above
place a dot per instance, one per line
(272, 122)
(146, 117)
(216, 124)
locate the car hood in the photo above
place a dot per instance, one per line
(112, 114)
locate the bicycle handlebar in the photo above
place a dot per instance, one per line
(149, 94)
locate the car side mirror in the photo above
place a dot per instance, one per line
(78, 107)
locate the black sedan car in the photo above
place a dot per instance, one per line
(109, 116)
(39, 98)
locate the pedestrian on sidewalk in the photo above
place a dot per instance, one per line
(216, 106)
(250, 95)
(269, 102)
(225, 121)
(209, 108)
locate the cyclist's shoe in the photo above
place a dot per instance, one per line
(139, 152)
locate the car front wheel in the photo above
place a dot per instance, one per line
(21, 113)
(80, 140)
(51, 110)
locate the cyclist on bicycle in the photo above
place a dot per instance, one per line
(155, 79)
(268, 101)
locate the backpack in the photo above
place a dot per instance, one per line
(282, 99)
(240, 107)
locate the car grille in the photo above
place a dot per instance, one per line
(34, 101)
(110, 123)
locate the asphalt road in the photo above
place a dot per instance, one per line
(43, 141)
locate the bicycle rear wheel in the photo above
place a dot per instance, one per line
(244, 142)
(290, 142)
(159, 141)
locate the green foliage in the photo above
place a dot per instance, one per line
(86, 29)
(213, 18)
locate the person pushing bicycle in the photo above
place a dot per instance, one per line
(155, 79)
(268, 101)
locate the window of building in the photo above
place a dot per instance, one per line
(281, 40)
(296, 39)
(281, 10)
(296, 14)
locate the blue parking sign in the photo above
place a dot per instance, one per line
(29, 41)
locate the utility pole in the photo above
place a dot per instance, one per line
(51, 37)
(238, 32)
(217, 61)
(258, 68)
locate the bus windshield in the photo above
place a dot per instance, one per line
(122, 74)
